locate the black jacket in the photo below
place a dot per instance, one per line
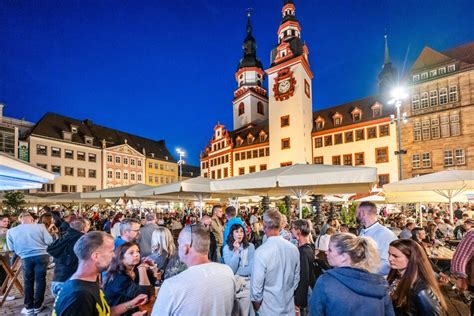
(423, 302)
(307, 277)
(62, 250)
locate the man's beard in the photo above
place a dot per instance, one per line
(102, 268)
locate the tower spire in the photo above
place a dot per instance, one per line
(387, 54)
(249, 47)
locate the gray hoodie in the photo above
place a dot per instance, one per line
(28, 240)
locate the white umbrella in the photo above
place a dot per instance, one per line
(16, 174)
(301, 180)
(446, 186)
(376, 198)
(126, 191)
(195, 189)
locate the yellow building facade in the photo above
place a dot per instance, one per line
(158, 172)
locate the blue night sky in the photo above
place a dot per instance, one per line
(165, 69)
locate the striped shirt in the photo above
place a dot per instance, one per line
(463, 254)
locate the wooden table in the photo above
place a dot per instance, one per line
(440, 253)
(148, 307)
(12, 275)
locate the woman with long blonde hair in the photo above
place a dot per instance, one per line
(164, 254)
(351, 287)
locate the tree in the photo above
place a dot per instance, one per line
(348, 215)
(13, 200)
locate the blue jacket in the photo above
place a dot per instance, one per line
(350, 291)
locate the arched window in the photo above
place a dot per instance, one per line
(241, 108)
(260, 108)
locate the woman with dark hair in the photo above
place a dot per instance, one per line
(47, 220)
(413, 286)
(352, 287)
(239, 254)
(127, 277)
(115, 225)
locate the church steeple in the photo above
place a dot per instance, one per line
(388, 76)
(250, 49)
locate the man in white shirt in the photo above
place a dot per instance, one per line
(367, 215)
(205, 288)
(276, 271)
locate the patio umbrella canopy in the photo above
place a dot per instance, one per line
(301, 180)
(446, 187)
(127, 191)
(16, 174)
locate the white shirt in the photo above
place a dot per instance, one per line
(205, 289)
(275, 277)
(323, 242)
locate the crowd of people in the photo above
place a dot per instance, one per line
(238, 263)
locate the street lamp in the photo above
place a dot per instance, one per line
(181, 162)
(399, 94)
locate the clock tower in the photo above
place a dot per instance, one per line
(290, 99)
(250, 103)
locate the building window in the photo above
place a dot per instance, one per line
(445, 130)
(69, 154)
(337, 121)
(416, 77)
(319, 124)
(319, 160)
(117, 159)
(285, 121)
(88, 188)
(109, 158)
(81, 172)
(241, 108)
(347, 160)
(125, 161)
(443, 96)
(42, 166)
(56, 169)
(150, 179)
(417, 131)
(426, 160)
(150, 165)
(356, 117)
(455, 125)
(261, 152)
(451, 68)
(435, 130)
(384, 130)
(328, 140)
(92, 173)
(69, 171)
(371, 132)
(415, 161)
(377, 111)
(237, 156)
(433, 73)
(286, 164)
(92, 158)
(55, 152)
(453, 94)
(48, 187)
(337, 139)
(81, 156)
(226, 172)
(349, 137)
(132, 162)
(252, 169)
(132, 176)
(448, 158)
(241, 171)
(382, 180)
(460, 157)
(118, 175)
(360, 135)
(425, 129)
(424, 100)
(260, 109)
(267, 151)
(434, 98)
(125, 175)
(424, 75)
(110, 174)
(381, 154)
(263, 167)
(359, 159)
(318, 142)
(442, 70)
(41, 150)
(415, 102)
(336, 160)
(64, 188)
(285, 143)
(139, 164)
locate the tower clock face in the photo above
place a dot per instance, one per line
(284, 86)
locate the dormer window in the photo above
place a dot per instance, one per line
(356, 114)
(73, 129)
(319, 123)
(239, 140)
(250, 139)
(416, 77)
(451, 68)
(424, 76)
(376, 110)
(89, 140)
(442, 70)
(337, 119)
(262, 136)
(67, 136)
(433, 73)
